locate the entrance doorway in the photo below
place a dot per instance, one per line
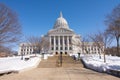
(61, 52)
(65, 53)
(56, 53)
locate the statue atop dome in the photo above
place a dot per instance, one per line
(61, 14)
(61, 22)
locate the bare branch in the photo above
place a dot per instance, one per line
(10, 29)
(113, 23)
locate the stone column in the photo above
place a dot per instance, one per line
(90, 50)
(59, 43)
(50, 42)
(54, 43)
(63, 43)
(68, 42)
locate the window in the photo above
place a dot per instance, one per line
(95, 49)
(70, 48)
(56, 48)
(61, 48)
(65, 42)
(65, 48)
(70, 40)
(52, 41)
(65, 53)
(92, 48)
(88, 49)
(52, 48)
(61, 41)
(56, 41)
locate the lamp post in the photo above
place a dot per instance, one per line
(21, 56)
(42, 50)
(78, 56)
(43, 55)
(61, 58)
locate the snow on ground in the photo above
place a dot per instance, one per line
(95, 63)
(47, 55)
(8, 64)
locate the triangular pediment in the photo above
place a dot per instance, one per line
(61, 31)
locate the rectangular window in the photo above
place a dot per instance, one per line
(56, 48)
(70, 42)
(61, 41)
(95, 49)
(61, 48)
(70, 48)
(65, 42)
(56, 41)
(52, 48)
(52, 41)
(65, 48)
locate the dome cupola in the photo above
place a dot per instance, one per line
(61, 22)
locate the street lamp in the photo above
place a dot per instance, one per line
(78, 56)
(21, 56)
(61, 58)
(43, 55)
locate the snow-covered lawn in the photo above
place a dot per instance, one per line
(8, 64)
(95, 63)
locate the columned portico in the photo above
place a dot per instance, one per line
(59, 44)
(61, 37)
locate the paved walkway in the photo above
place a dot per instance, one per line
(59, 74)
(73, 72)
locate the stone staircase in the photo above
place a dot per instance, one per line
(48, 63)
(54, 62)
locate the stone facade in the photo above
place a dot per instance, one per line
(62, 39)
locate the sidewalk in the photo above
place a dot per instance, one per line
(59, 74)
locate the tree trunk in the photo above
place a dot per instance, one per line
(104, 58)
(117, 38)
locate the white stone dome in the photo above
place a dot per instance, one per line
(61, 22)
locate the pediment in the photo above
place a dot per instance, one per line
(61, 31)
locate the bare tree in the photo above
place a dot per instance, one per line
(45, 44)
(39, 43)
(102, 41)
(10, 28)
(113, 22)
(35, 42)
(6, 51)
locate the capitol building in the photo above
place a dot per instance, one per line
(63, 40)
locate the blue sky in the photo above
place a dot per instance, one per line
(83, 16)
